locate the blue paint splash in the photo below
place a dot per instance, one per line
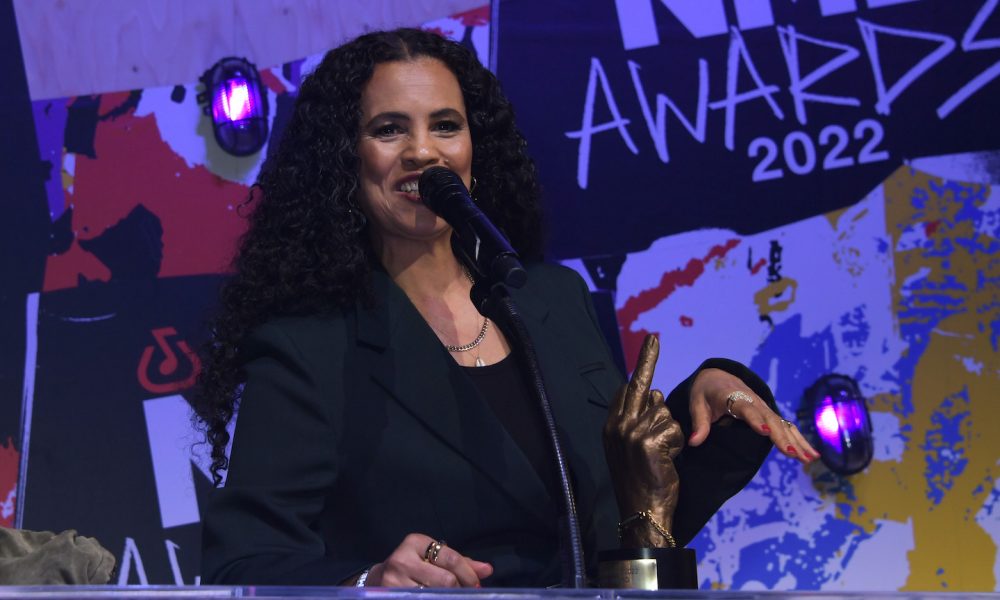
(768, 561)
(944, 451)
(856, 329)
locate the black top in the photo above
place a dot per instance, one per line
(504, 388)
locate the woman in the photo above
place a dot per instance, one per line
(379, 412)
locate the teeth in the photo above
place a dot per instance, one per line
(410, 187)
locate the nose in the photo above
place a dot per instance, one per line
(421, 151)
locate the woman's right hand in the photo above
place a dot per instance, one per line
(407, 566)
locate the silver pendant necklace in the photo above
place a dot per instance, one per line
(473, 344)
(479, 338)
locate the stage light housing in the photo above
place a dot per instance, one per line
(835, 415)
(237, 103)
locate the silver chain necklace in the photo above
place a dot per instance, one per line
(479, 338)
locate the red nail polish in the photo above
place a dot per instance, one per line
(791, 450)
(765, 428)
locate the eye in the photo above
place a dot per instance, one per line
(448, 126)
(387, 130)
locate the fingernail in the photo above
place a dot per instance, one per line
(765, 428)
(478, 585)
(690, 438)
(791, 450)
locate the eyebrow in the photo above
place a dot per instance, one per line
(398, 116)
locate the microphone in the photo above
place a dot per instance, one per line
(476, 240)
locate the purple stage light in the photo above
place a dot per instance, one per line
(233, 101)
(238, 105)
(834, 410)
(828, 425)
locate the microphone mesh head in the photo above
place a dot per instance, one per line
(438, 186)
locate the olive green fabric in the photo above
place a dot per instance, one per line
(46, 558)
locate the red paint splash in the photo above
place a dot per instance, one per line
(686, 321)
(272, 82)
(474, 17)
(931, 227)
(111, 101)
(9, 460)
(757, 267)
(651, 298)
(196, 208)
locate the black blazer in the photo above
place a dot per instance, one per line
(358, 429)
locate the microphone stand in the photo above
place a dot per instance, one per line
(493, 301)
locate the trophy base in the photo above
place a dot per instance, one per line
(648, 568)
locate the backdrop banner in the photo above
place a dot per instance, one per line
(653, 117)
(140, 216)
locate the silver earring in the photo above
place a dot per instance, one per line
(472, 187)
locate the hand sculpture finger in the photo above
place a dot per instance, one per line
(654, 399)
(656, 404)
(658, 417)
(676, 437)
(642, 378)
(672, 437)
(668, 438)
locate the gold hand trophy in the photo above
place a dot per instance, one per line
(641, 440)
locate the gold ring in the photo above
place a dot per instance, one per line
(731, 400)
(432, 551)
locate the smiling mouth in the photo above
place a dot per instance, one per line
(410, 187)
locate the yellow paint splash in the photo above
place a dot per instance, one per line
(776, 296)
(951, 551)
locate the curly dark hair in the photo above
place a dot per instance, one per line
(306, 250)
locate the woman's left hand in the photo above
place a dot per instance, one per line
(716, 394)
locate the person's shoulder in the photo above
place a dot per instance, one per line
(307, 326)
(553, 278)
(543, 274)
(296, 334)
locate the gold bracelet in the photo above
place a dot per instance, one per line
(644, 515)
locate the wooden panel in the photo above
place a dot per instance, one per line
(74, 47)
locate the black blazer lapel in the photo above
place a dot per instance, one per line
(567, 351)
(410, 364)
